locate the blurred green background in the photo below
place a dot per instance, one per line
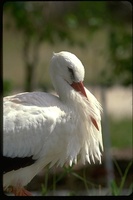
(99, 33)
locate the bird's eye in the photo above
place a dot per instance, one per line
(71, 73)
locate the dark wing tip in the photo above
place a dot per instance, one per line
(10, 164)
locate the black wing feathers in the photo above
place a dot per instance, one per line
(10, 164)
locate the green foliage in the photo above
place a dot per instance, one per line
(28, 18)
(121, 133)
(92, 14)
(41, 21)
(34, 19)
(109, 15)
(115, 189)
(7, 87)
(120, 43)
(67, 171)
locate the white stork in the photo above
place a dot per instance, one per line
(41, 128)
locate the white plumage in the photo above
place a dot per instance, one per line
(52, 129)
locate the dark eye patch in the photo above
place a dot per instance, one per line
(71, 73)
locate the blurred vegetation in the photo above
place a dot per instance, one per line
(121, 133)
(116, 189)
(7, 87)
(82, 183)
(42, 21)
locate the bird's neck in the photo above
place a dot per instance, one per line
(63, 89)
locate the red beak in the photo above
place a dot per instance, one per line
(79, 87)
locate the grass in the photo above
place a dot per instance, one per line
(114, 190)
(67, 171)
(121, 133)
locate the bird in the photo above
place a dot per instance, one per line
(41, 128)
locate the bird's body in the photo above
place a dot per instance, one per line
(41, 128)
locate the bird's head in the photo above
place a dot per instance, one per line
(66, 66)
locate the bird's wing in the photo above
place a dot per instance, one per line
(29, 118)
(40, 99)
